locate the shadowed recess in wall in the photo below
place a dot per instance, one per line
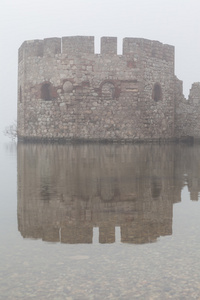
(47, 91)
(157, 92)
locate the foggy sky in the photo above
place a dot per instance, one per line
(174, 22)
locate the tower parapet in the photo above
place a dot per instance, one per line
(149, 48)
(78, 44)
(31, 48)
(85, 44)
(52, 46)
(46, 47)
(109, 45)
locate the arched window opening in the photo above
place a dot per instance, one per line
(108, 90)
(157, 92)
(46, 92)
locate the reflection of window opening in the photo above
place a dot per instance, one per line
(20, 94)
(156, 187)
(157, 92)
(45, 193)
(46, 93)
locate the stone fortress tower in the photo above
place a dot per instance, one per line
(67, 92)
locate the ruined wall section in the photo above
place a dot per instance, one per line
(69, 92)
(187, 112)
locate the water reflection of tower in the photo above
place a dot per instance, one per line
(65, 191)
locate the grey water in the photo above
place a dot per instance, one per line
(99, 221)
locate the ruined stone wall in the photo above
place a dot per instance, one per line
(66, 91)
(187, 121)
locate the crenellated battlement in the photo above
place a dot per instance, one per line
(46, 47)
(78, 45)
(109, 45)
(150, 48)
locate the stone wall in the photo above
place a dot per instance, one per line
(187, 122)
(68, 92)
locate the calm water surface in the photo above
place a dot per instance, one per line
(99, 222)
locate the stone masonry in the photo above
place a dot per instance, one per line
(67, 92)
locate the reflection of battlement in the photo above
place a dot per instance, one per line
(66, 191)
